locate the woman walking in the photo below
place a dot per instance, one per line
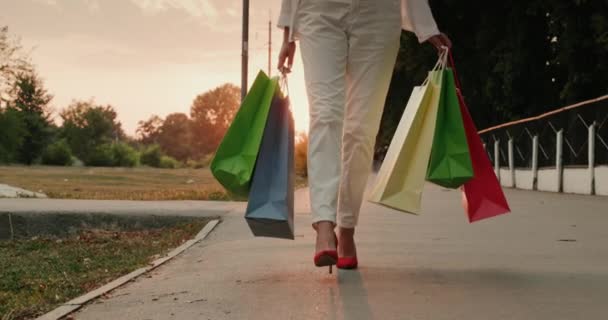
(348, 49)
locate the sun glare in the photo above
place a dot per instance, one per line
(298, 98)
(297, 91)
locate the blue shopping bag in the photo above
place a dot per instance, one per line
(271, 198)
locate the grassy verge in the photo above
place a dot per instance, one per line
(115, 183)
(38, 274)
(119, 183)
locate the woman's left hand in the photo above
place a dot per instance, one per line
(440, 40)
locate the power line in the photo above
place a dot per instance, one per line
(244, 49)
(269, 42)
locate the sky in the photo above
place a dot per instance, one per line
(146, 57)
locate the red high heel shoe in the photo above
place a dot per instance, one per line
(347, 263)
(327, 257)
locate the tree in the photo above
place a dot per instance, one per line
(174, 138)
(87, 126)
(579, 34)
(11, 135)
(32, 105)
(148, 131)
(13, 62)
(211, 113)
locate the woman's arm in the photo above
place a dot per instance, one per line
(418, 18)
(288, 48)
(288, 51)
(285, 15)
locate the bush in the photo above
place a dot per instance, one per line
(151, 156)
(204, 162)
(167, 162)
(124, 155)
(102, 156)
(57, 154)
(301, 155)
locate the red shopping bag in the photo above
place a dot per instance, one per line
(482, 196)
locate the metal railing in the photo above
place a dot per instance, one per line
(575, 136)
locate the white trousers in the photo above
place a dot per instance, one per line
(349, 48)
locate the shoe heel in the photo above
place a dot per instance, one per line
(327, 257)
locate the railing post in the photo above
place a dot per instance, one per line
(497, 158)
(535, 162)
(591, 154)
(558, 160)
(512, 163)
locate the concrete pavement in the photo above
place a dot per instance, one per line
(546, 260)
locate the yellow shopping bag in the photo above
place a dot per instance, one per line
(402, 176)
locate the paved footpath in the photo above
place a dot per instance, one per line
(546, 260)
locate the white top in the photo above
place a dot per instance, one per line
(416, 16)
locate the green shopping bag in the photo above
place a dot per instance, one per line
(236, 155)
(450, 162)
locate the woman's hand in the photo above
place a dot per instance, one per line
(288, 50)
(440, 40)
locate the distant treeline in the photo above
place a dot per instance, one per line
(90, 134)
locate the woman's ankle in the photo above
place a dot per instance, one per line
(347, 246)
(325, 235)
(324, 226)
(346, 232)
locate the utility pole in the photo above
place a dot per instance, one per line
(245, 49)
(269, 43)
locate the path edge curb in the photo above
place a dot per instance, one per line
(69, 307)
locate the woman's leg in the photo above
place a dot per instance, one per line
(373, 39)
(323, 45)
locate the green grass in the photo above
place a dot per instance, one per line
(116, 183)
(39, 274)
(99, 183)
